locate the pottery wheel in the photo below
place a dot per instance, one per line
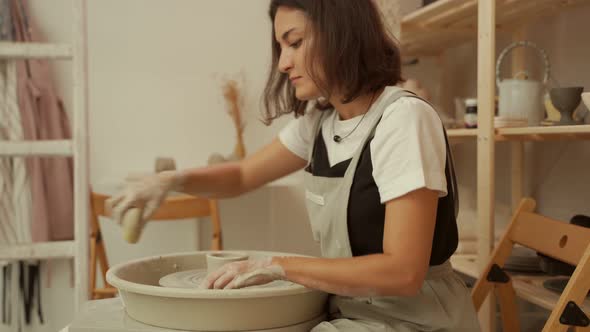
(193, 278)
(181, 305)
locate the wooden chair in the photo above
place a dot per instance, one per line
(176, 207)
(560, 240)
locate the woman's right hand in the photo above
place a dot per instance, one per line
(142, 191)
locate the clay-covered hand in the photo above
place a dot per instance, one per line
(243, 274)
(145, 191)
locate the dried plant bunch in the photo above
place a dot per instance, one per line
(233, 98)
(235, 103)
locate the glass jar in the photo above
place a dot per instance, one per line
(470, 113)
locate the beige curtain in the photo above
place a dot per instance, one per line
(15, 191)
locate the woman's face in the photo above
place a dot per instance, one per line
(290, 28)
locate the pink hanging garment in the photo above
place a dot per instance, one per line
(44, 118)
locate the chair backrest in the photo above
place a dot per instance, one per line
(176, 207)
(558, 239)
(554, 238)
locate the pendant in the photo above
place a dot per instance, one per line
(337, 139)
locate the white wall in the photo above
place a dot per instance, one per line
(156, 69)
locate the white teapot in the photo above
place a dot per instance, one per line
(521, 98)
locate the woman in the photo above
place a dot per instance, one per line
(378, 174)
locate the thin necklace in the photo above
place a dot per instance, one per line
(338, 138)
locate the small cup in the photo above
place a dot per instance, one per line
(215, 260)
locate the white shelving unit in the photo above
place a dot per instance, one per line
(35, 51)
(39, 251)
(37, 148)
(76, 148)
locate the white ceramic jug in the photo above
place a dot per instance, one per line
(521, 98)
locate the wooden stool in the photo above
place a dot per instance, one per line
(561, 240)
(176, 207)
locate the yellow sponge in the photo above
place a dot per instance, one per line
(133, 222)
(132, 225)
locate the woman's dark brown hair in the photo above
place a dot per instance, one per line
(351, 45)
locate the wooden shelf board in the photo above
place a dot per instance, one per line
(527, 287)
(446, 23)
(577, 132)
(427, 12)
(543, 133)
(19, 50)
(531, 289)
(462, 133)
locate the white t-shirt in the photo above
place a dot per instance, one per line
(408, 151)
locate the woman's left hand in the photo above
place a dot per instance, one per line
(243, 274)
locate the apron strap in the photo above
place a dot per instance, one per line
(387, 98)
(316, 129)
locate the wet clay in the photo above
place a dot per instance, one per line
(193, 278)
